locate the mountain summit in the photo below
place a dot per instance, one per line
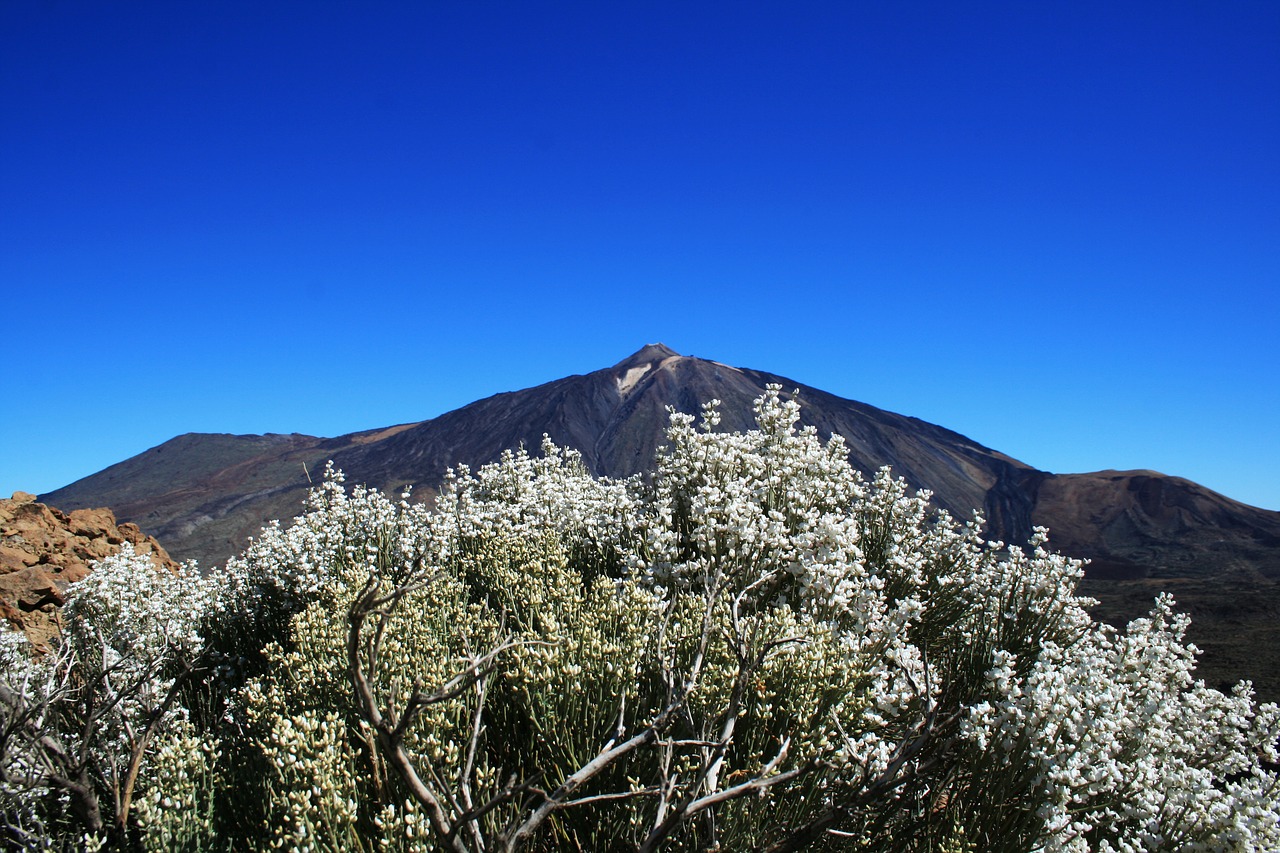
(647, 356)
(205, 495)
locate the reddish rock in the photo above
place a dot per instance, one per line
(14, 558)
(93, 523)
(44, 550)
(98, 548)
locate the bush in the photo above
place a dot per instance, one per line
(754, 649)
(82, 729)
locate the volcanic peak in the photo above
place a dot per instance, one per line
(647, 355)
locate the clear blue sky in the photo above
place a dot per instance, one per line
(1051, 226)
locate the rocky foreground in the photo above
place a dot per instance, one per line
(44, 550)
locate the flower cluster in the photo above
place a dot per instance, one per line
(82, 723)
(1129, 752)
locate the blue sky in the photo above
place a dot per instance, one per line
(1054, 227)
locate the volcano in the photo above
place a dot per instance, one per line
(205, 495)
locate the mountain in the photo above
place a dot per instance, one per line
(204, 495)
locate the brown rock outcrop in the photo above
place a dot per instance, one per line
(44, 550)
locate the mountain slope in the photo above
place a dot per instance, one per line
(209, 494)
(617, 418)
(204, 495)
(1142, 523)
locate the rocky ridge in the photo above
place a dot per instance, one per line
(44, 550)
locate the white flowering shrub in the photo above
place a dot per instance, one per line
(81, 725)
(755, 648)
(1127, 751)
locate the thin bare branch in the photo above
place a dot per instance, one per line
(607, 798)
